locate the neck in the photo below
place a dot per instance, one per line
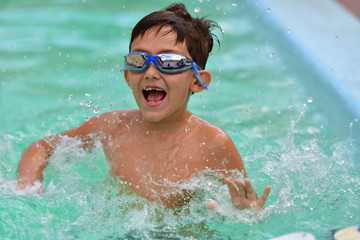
(169, 125)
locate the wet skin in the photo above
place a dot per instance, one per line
(161, 141)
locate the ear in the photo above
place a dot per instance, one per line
(196, 85)
(126, 76)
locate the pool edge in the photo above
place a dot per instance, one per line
(326, 47)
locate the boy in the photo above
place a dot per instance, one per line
(161, 140)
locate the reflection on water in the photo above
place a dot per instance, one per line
(59, 66)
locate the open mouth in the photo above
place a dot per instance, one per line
(154, 96)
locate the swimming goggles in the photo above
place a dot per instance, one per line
(165, 62)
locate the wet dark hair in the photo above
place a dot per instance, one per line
(195, 31)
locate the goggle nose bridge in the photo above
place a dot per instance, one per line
(151, 58)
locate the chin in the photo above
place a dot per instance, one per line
(152, 116)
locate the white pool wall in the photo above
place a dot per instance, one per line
(321, 40)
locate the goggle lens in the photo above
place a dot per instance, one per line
(136, 61)
(165, 62)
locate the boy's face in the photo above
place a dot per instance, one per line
(160, 96)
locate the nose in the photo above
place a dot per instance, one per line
(152, 72)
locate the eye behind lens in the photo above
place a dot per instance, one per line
(135, 60)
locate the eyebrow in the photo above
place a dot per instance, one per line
(162, 51)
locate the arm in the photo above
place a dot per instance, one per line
(35, 158)
(242, 194)
(33, 162)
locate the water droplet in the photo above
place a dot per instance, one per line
(96, 109)
(272, 54)
(292, 85)
(197, 10)
(310, 100)
(59, 54)
(88, 103)
(187, 129)
(268, 10)
(49, 48)
(70, 97)
(82, 102)
(234, 4)
(87, 94)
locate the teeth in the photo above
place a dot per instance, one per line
(151, 89)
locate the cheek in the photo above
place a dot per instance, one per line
(133, 79)
(181, 87)
(182, 80)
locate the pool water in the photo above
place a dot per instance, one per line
(59, 66)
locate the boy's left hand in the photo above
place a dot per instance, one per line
(243, 195)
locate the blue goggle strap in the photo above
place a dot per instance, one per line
(195, 69)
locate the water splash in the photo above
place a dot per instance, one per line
(81, 198)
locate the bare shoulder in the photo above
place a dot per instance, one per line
(102, 124)
(113, 119)
(211, 133)
(118, 115)
(220, 148)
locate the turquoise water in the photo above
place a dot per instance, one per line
(59, 66)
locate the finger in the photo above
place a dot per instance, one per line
(212, 206)
(233, 190)
(241, 188)
(264, 196)
(251, 194)
(41, 191)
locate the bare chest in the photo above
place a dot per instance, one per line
(154, 166)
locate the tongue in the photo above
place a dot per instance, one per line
(155, 96)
